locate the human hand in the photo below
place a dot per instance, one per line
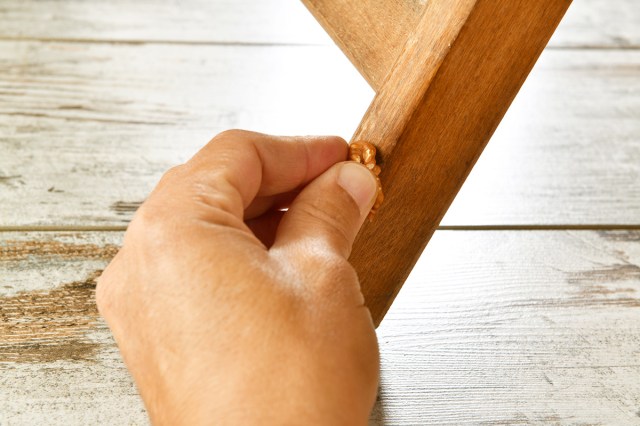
(227, 309)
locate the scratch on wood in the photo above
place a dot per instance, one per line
(620, 236)
(88, 119)
(579, 301)
(11, 250)
(9, 180)
(125, 207)
(45, 326)
(76, 108)
(604, 291)
(608, 274)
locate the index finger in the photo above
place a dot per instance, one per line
(237, 166)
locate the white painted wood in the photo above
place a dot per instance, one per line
(568, 149)
(86, 130)
(589, 23)
(58, 362)
(516, 328)
(190, 21)
(600, 24)
(491, 328)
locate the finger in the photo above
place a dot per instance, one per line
(329, 212)
(237, 166)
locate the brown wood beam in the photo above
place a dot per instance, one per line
(451, 85)
(370, 32)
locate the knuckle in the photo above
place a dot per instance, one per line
(143, 220)
(171, 175)
(231, 133)
(153, 229)
(160, 231)
(234, 136)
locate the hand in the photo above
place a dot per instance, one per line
(227, 309)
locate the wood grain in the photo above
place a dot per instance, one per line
(516, 328)
(589, 23)
(598, 24)
(567, 150)
(457, 75)
(491, 327)
(263, 22)
(371, 33)
(58, 362)
(118, 116)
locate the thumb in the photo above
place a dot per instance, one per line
(331, 209)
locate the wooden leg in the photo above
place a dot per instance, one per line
(371, 33)
(459, 70)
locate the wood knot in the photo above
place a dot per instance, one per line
(365, 153)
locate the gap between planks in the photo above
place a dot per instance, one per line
(565, 227)
(136, 42)
(139, 42)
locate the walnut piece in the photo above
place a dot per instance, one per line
(365, 153)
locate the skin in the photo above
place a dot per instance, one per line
(227, 309)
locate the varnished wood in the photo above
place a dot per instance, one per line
(491, 327)
(370, 32)
(549, 162)
(457, 75)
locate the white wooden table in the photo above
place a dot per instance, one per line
(525, 307)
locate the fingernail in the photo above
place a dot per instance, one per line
(359, 183)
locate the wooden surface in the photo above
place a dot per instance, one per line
(152, 106)
(590, 24)
(449, 89)
(510, 327)
(516, 328)
(491, 327)
(263, 22)
(548, 162)
(58, 362)
(371, 33)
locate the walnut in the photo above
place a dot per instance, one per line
(365, 153)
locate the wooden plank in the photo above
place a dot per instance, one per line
(123, 114)
(370, 32)
(117, 116)
(567, 150)
(516, 328)
(187, 21)
(597, 24)
(491, 327)
(457, 75)
(589, 23)
(58, 362)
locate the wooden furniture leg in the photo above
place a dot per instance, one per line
(460, 66)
